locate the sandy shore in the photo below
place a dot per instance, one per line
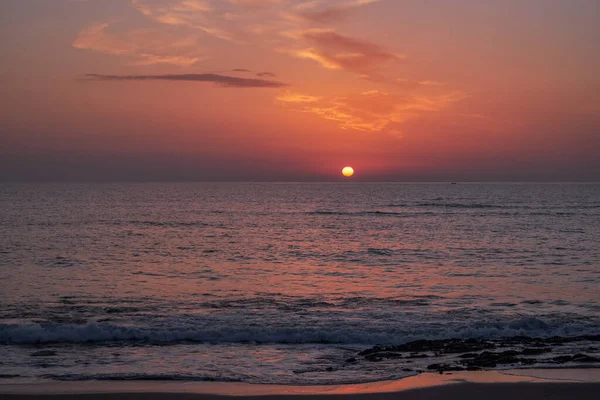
(491, 385)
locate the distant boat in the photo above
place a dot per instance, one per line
(453, 183)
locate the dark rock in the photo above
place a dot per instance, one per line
(448, 346)
(390, 355)
(470, 345)
(477, 354)
(351, 360)
(381, 356)
(43, 353)
(329, 369)
(489, 359)
(534, 346)
(372, 350)
(438, 367)
(454, 368)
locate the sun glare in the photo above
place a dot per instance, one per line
(348, 172)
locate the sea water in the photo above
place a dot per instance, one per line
(287, 283)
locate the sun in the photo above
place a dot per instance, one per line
(348, 172)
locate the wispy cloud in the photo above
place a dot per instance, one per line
(182, 13)
(410, 84)
(179, 12)
(145, 47)
(179, 33)
(290, 97)
(256, 4)
(336, 51)
(221, 80)
(259, 74)
(180, 28)
(314, 11)
(372, 111)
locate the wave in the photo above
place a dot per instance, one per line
(162, 224)
(139, 377)
(372, 213)
(494, 206)
(97, 332)
(460, 205)
(447, 205)
(485, 210)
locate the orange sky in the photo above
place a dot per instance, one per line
(403, 90)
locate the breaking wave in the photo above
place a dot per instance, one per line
(32, 333)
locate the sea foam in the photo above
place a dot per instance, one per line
(31, 333)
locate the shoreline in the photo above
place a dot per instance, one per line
(514, 384)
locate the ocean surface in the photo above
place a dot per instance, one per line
(289, 283)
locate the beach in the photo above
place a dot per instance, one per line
(492, 385)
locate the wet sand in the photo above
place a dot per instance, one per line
(490, 385)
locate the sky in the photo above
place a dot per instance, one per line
(294, 90)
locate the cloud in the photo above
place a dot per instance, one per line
(328, 15)
(332, 13)
(218, 33)
(179, 27)
(408, 84)
(335, 51)
(259, 74)
(182, 13)
(172, 12)
(257, 4)
(290, 97)
(146, 47)
(150, 59)
(431, 83)
(221, 80)
(371, 111)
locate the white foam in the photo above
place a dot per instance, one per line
(28, 333)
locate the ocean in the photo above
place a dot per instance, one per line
(295, 283)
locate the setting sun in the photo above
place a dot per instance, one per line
(348, 172)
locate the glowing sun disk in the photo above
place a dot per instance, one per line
(348, 171)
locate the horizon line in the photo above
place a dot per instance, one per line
(341, 181)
